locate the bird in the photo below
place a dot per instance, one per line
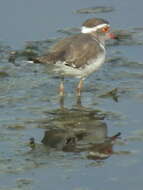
(80, 54)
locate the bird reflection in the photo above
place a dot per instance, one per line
(78, 102)
(99, 150)
(78, 131)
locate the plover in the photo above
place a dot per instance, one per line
(79, 55)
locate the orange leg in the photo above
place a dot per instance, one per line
(79, 87)
(61, 93)
(61, 88)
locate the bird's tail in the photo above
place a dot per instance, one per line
(46, 59)
(34, 60)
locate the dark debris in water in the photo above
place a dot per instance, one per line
(25, 54)
(94, 10)
(31, 49)
(111, 94)
(31, 143)
(24, 182)
(40, 46)
(126, 37)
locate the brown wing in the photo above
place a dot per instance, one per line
(57, 52)
(80, 56)
(49, 58)
(75, 51)
(81, 50)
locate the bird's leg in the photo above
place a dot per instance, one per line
(78, 93)
(79, 87)
(61, 89)
(61, 102)
(61, 93)
(78, 102)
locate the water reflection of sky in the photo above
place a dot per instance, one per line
(36, 20)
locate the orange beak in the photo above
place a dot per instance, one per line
(111, 35)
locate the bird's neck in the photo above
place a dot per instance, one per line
(98, 38)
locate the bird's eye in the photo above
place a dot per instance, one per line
(106, 29)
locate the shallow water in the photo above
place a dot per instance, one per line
(29, 104)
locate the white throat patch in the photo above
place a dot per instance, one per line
(85, 29)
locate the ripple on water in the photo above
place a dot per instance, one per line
(94, 10)
(130, 37)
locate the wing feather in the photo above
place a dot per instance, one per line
(75, 51)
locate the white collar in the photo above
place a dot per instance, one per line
(85, 29)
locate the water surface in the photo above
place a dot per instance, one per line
(29, 102)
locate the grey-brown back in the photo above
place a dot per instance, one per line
(75, 51)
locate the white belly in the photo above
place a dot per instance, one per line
(93, 65)
(82, 72)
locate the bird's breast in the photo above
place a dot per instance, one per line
(93, 65)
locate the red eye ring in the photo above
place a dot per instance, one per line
(106, 29)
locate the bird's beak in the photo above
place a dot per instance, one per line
(111, 35)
